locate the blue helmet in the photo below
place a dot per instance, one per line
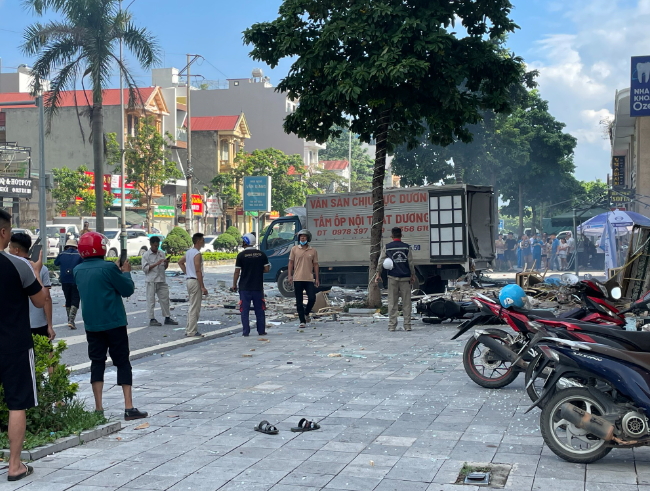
(512, 296)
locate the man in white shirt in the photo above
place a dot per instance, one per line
(192, 265)
(154, 264)
(572, 247)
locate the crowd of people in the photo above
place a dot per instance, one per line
(536, 252)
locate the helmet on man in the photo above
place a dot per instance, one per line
(249, 240)
(306, 232)
(93, 244)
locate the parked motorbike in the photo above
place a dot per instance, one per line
(583, 423)
(494, 358)
(620, 339)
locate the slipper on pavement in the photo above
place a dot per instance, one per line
(305, 425)
(29, 470)
(266, 428)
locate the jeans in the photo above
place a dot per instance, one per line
(309, 288)
(116, 342)
(554, 261)
(257, 297)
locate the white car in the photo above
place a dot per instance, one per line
(137, 242)
(55, 240)
(209, 246)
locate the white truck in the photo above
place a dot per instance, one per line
(450, 230)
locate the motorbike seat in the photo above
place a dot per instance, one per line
(641, 339)
(576, 313)
(545, 314)
(636, 357)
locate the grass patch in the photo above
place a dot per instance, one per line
(72, 420)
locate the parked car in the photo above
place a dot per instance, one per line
(55, 241)
(209, 246)
(137, 242)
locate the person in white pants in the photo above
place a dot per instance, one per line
(154, 264)
(192, 265)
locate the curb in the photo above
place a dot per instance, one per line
(67, 442)
(180, 343)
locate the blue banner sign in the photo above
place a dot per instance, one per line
(257, 193)
(640, 86)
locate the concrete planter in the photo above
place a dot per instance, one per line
(68, 442)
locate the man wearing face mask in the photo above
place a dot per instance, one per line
(303, 266)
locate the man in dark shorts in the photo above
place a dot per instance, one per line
(250, 266)
(67, 261)
(39, 319)
(19, 285)
(102, 284)
(511, 245)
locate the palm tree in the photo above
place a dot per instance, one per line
(81, 46)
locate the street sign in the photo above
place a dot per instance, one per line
(501, 224)
(257, 193)
(640, 86)
(14, 187)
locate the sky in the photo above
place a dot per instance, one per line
(582, 49)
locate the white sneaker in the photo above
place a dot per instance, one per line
(302, 325)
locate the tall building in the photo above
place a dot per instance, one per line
(264, 107)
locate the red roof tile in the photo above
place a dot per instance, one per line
(214, 123)
(334, 164)
(111, 97)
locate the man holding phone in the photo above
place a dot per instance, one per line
(154, 264)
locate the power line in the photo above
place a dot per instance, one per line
(9, 30)
(214, 67)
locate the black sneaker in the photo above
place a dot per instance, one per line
(170, 322)
(154, 322)
(133, 413)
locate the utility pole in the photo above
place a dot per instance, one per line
(42, 210)
(189, 214)
(123, 255)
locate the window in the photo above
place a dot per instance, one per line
(446, 219)
(225, 150)
(281, 234)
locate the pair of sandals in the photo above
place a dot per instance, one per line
(303, 425)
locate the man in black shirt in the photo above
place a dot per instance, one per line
(20, 283)
(511, 253)
(250, 266)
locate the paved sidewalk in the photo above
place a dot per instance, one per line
(398, 413)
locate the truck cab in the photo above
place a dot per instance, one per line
(277, 242)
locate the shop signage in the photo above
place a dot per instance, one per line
(162, 211)
(197, 204)
(214, 207)
(640, 86)
(618, 171)
(14, 187)
(620, 198)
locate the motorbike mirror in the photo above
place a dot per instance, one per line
(569, 279)
(615, 293)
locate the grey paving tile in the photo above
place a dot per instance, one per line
(353, 483)
(549, 483)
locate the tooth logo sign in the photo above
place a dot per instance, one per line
(640, 86)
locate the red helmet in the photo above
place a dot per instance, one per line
(92, 244)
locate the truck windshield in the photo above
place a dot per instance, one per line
(281, 234)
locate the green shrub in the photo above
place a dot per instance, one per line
(177, 241)
(225, 242)
(234, 231)
(58, 414)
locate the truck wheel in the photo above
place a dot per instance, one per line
(286, 289)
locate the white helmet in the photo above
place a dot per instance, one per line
(249, 240)
(388, 263)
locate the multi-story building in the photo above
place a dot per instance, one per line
(265, 110)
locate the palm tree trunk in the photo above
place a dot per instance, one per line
(379, 172)
(98, 162)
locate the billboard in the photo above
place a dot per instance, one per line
(14, 187)
(197, 204)
(640, 86)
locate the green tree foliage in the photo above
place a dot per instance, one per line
(58, 413)
(326, 181)
(395, 67)
(234, 232)
(148, 164)
(338, 148)
(177, 242)
(80, 44)
(288, 190)
(73, 184)
(226, 242)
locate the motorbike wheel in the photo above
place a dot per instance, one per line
(566, 440)
(488, 372)
(535, 389)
